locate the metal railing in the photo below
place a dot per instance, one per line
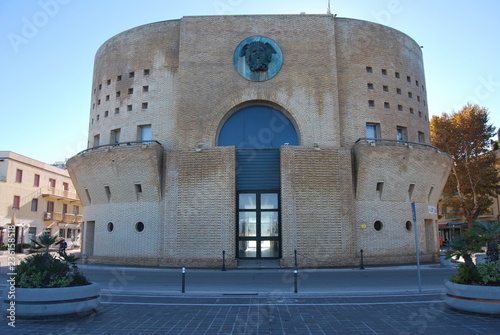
(119, 144)
(391, 142)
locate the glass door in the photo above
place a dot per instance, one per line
(258, 228)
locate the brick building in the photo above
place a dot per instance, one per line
(259, 135)
(37, 198)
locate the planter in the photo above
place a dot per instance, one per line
(473, 298)
(33, 302)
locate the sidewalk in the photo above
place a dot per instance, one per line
(118, 279)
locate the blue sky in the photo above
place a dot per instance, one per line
(47, 50)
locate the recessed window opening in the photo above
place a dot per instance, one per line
(130, 91)
(145, 88)
(430, 193)
(146, 72)
(410, 191)
(400, 108)
(398, 91)
(107, 190)
(369, 69)
(378, 225)
(144, 105)
(370, 86)
(108, 82)
(119, 78)
(138, 191)
(371, 103)
(139, 227)
(408, 79)
(107, 97)
(118, 94)
(385, 88)
(397, 74)
(117, 110)
(106, 113)
(379, 189)
(384, 72)
(131, 74)
(387, 105)
(408, 225)
(88, 196)
(129, 108)
(19, 176)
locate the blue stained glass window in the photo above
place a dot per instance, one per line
(258, 127)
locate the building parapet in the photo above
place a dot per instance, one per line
(392, 142)
(120, 144)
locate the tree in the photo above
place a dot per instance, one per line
(465, 135)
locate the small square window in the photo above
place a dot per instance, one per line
(398, 91)
(144, 105)
(130, 91)
(369, 69)
(371, 103)
(107, 97)
(119, 78)
(400, 108)
(118, 94)
(108, 82)
(370, 86)
(129, 107)
(411, 110)
(384, 72)
(386, 88)
(131, 74)
(387, 105)
(146, 72)
(145, 88)
(397, 75)
(410, 95)
(117, 110)
(408, 79)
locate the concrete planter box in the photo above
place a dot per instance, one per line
(473, 298)
(33, 302)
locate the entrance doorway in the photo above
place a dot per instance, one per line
(258, 132)
(258, 225)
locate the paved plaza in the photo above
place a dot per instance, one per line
(262, 301)
(266, 314)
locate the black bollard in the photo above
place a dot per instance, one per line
(295, 279)
(183, 280)
(361, 265)
(223, 260)
(295, 252)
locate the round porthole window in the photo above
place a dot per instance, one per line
(139, 226)
(110, 226)
(408, 225)
(378, 225)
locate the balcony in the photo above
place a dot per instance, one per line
(62, 218)
(51, 192)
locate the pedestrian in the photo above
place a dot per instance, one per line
(62, 246)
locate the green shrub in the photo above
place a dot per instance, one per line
(490, 273)
(4, 247)
(46, 270)
(465, 276)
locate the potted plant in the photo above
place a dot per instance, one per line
(476, 287)
(49, 283)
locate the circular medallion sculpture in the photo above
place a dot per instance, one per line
(258, 58)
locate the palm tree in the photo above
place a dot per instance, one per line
(464, 246)
(489, 234)
(43, 243)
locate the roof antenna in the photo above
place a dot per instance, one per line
(328, 10)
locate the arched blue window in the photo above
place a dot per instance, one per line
(258, 127)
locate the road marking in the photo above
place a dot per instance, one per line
(277, 304)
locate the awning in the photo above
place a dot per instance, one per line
(455, 223)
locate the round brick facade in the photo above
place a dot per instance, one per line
(161, 94)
